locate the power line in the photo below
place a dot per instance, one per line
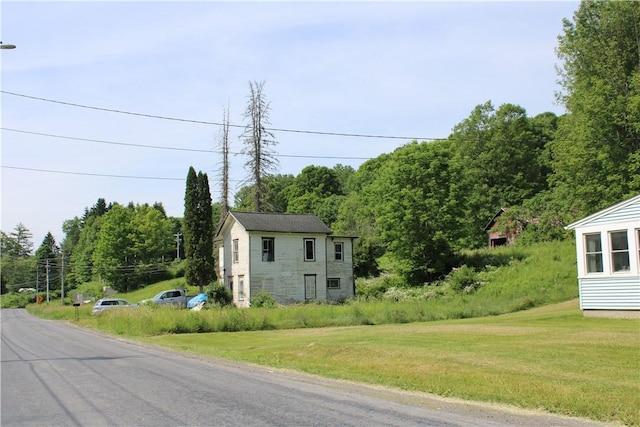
(159, 147)
(203, 122)
(93, 174)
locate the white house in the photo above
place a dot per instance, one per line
(608, 250)
(292, 257)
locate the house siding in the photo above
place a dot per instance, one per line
(610, 290)
(283, 278)
(340, 269)
(605, 294)
(629, 213)
(288, 278)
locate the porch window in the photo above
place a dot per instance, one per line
(333, 283)
(309, 249)
(235, 250)
(268, 249)
(619, 251)
(338, 248)
(593, 246)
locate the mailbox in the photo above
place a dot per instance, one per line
(77, 300)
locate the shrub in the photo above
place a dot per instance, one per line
(263, 300)
(463, 279)
(15, 300)
(376, 288)
(219, 295)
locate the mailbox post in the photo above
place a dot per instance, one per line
(77, 300)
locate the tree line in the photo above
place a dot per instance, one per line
(417, 209)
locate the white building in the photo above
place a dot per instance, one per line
(608, 251)
(292, 257)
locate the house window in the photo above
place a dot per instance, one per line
(619, 251)
(309, 249)
(235, 250)
(231, 284)
(338, 249)
(240, 287)
(593, 246)
(268, 251)
(333, 283)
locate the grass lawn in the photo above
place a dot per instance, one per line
(549, 358)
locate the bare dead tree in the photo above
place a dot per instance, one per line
(224, 173)
(258, 143)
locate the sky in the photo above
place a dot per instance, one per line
(116, 100)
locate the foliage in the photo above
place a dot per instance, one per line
(499, 161)
(130, 245)
(198, 230)
(219, 295)
(376, 288)
(15, 300)
(463, 279)
(414, 212)
(596, 150)
(263, 300)
(17, 266)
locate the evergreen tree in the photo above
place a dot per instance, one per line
(198, 230)
(49, 262)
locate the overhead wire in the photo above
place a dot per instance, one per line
(160, 147)
(203, 122)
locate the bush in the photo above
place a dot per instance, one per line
(263, 300)
(376, 288)
(463, 279)
(13, 300)
(218, 294)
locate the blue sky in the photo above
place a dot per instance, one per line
(408, 69)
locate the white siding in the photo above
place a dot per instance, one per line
(629, 213)
(240, 268)
(622, 293)
(340, 269)
(609, 289)
(283, 278)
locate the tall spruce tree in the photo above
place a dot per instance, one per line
(198, 230)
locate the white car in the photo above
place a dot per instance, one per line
(104, 303)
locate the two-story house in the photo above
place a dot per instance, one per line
(292, 257)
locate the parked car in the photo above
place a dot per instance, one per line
(105, 303)
(173, 296)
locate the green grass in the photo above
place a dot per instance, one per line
(549, 358)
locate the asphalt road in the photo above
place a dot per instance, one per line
(57, 374)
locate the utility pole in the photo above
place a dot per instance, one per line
(47, 281)
(62, 276)
(178, 234)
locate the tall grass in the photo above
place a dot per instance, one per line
(528, 277)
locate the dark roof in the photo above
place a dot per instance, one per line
(281, 222)
(493, 220)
